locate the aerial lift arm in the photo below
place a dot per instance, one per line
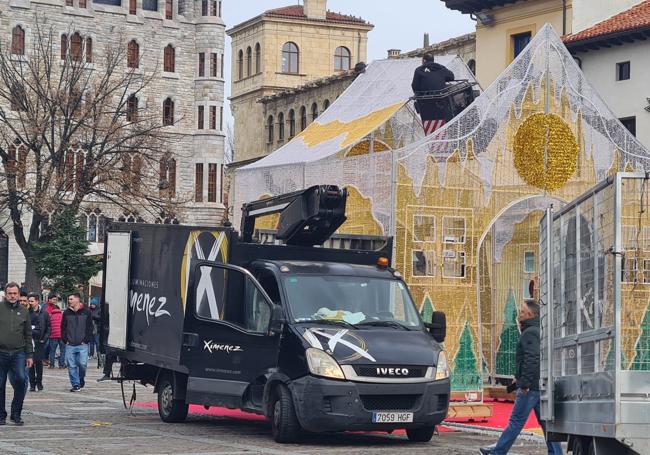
(307, 217)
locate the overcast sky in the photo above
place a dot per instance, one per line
(398, 24)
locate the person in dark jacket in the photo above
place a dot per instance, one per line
(76, 333)
(16, 352)
(429, 78)
(527, 382)
(41, 329)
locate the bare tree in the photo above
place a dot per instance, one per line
(74, 127)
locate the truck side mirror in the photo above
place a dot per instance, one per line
(277, 320)
(438, 326)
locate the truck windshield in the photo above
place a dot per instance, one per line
(351, 300)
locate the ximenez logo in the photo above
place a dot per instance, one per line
(150, 305)
(392, 371)
(212, 347)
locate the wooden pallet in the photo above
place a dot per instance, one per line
(498, 393)
(469, 411)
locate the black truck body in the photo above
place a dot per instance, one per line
(313, 338)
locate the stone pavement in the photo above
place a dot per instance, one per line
(94, 421)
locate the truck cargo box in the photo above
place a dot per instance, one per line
(156, 280)
(595, 318)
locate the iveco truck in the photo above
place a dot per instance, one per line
(315, 339)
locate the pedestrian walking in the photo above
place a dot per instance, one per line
(51, 302)
(93, 306)
(16, 352)
(23, 300)
(527, 382)
(76, 332)
(41, 329)
(56, 316)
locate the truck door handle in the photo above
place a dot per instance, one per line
(190, 339)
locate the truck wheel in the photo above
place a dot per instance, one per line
(169, 409)
(420, 434)
(284, 421)
(581, 445)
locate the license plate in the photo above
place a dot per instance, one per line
(392, 417)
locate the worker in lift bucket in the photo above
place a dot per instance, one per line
(429, 80)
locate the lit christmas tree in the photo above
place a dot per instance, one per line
(466, 376)
(642, 358)
(427, 310)
(508, 340)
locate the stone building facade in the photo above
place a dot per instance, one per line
(464, 46)
(289, 112)
(196, 32)
(283, 49)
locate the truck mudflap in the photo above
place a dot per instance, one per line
(324, 405)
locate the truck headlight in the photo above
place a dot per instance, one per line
(442, 369)
(322, 364)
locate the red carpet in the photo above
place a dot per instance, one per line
(500, 415)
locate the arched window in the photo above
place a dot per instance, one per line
(214, 8)
(168, 112)
(240, 65)
(89, 50)
(133, 54)
(169, 9)
(136, 174)
(471, 64)
(133, 6)
(94, 223)
(126, 171)
(18, 41)
(292, 123)
(64, 46)
(290, 58)
(132, 108)
(271, 129)
(79, 169)
(303, 118)
(75, 47)
(314, 112)
(249, 61)
(258, 58)
(169, 55)
(281, 126)
(204, 7)
(17, 163)
(326, 104)
(342, 59)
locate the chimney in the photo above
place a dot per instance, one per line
(394, 53)
(426, 40)
(316, 9)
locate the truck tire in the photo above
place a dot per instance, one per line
(170, 409)
(581, 445)
(284, 422)
(423, 434)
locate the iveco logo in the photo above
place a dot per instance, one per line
(392, 371)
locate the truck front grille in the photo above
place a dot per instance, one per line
(388, 402)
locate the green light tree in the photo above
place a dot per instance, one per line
(642, 358)
(427, 310)
(505, 363)
(466, 375)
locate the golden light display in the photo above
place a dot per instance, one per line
(545, 151)
(351, 132)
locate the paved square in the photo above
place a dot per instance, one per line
(94, 421)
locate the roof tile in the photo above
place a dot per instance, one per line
(634, 18)
(297, 11)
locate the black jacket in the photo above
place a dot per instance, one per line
(77, 327)
(41, 326)
(528, 356)
(431, 76)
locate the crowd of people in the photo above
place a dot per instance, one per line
(31, 333)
